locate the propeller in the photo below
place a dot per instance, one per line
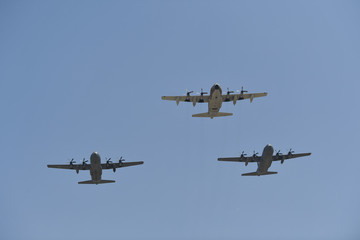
(278, 153)
(228, 91)
(202, 92)
(72, 162)
(121, 160)
(84, 163)
(242, 90)
(281, 157)
(255, 154)
(108, 162)
(188, 93)
(243, 154)
(290, 152)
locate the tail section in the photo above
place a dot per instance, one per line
(212, 114)
(96, 182)
(258, 174)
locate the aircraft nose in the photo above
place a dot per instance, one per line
(269, 146)
(95, 156)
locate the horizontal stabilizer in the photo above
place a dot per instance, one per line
(258, 174)
(212, 115)
(96, 182)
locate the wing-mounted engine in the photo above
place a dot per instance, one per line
(290, 153)
(84, 163)
(255, 155)
(71, 163)
(121, 160)
(241, 97)
(280, 156)
(242, 156)
(227, 96)
(188, 98)
(201, 98)
(188, 95)
(108, 163)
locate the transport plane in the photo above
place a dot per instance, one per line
(214, 100)
(95, 167)
(264, 161)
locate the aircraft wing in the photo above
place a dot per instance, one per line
(71, 167)
(242, 96)
(193, 99)
(289, 156)
(241, 159)
(120, 165)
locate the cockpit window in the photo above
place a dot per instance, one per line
(215, 87)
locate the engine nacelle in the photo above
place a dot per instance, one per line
(77, 171)
(282, 160)
(114, 169)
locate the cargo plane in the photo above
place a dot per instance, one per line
(264, 161)
(214, 100)
(95, 167)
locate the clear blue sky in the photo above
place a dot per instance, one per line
(84, 76)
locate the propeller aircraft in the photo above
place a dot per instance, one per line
(95, 167)
(214, 100)
(264, 161)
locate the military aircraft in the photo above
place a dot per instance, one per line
(95, 167)
(264, 162)
(214, 100)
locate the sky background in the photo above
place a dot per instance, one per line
(84, 76)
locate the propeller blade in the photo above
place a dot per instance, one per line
(202, 92)
(242, 90)
(188, 92)
(108, 161)
(228, 91)
(121, 160)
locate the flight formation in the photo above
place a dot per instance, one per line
(214, 100)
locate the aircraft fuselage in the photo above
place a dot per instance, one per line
(266, 159)
(95, 170)
(215, 99)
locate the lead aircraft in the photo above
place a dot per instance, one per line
(214, 100)
(95, 167)
(264, 161)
